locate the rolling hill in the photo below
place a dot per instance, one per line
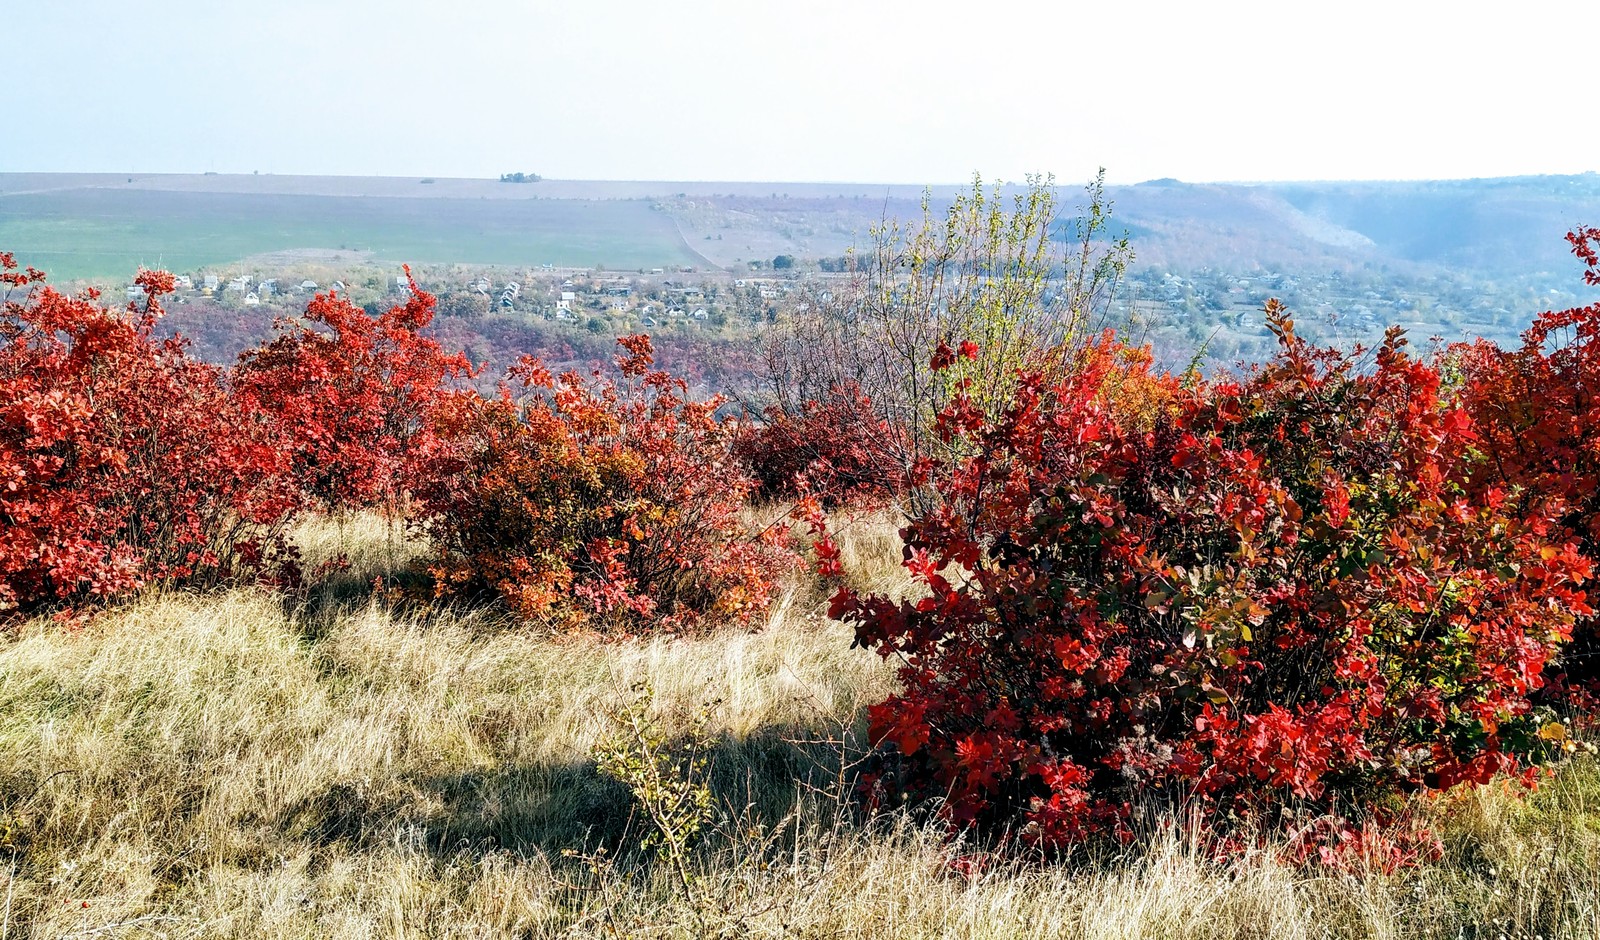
(105, 226)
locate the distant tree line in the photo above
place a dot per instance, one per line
(520, 177)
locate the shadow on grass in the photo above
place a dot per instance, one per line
(405, 592)
(550, 808)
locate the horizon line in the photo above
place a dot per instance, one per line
(801, 182)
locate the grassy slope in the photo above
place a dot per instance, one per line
(230, 767)
(93, 232)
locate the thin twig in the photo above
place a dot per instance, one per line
(11, 886)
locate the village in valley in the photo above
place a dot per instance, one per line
(1175, 311)
(598, 300)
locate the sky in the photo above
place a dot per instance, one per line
(833, 90)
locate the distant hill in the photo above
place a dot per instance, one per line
(1492, 228)
(105, 225)
(1492, 225)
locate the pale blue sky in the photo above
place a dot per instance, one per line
(921, 92)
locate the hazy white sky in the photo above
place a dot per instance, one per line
(839, 90)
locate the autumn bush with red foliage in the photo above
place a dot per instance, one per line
(1538, 408)
(124, 462)
(1276, 594)
(605, 504)
(592, 504)
(352, 397)
(834, 449)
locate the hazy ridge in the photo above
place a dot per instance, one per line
(104, 225)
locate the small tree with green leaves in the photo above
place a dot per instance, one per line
(669, 781)
(955, 300)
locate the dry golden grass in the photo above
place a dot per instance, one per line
(371, 545)
(235, 766)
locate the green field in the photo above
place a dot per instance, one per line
(109, 233)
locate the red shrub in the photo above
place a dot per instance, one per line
(598, 505)
(1277, 593)
(352, 395)
(1538, 413)
(836, 445)
(123, 462)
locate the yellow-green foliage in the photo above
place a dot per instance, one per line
(1001, 269)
